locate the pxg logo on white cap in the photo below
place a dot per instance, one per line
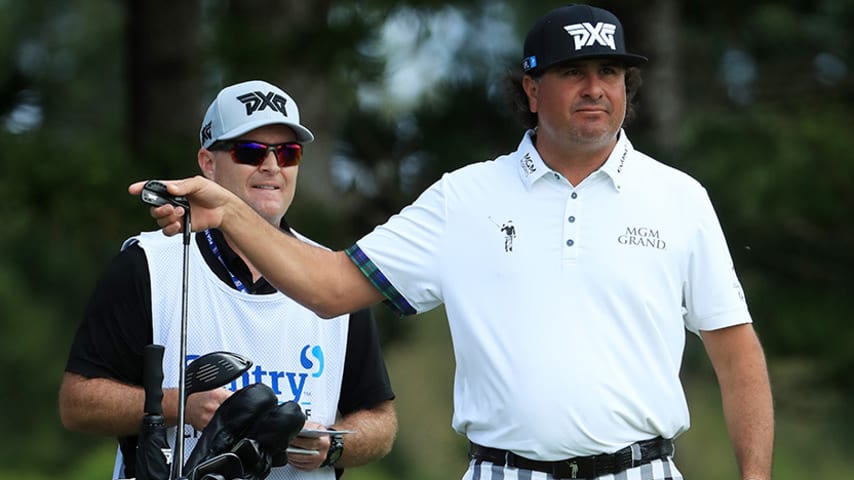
(572, 33)
(243, 107)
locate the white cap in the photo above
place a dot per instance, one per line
(246, 106)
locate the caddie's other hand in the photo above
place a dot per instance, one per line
(201, 406)
(320, 444)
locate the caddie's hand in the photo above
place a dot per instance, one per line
(320, 444)
(201, 406)
(207, 204)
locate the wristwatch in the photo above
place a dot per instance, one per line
(336, 449)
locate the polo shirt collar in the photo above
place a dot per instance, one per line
(614, 166)
(532, 167)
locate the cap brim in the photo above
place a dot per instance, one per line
(632, 60)
(304, 135)
(628, 59)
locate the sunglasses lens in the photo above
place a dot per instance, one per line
(289, 154)
(249, 153)
(252, 153)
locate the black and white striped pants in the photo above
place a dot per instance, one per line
(662, 469)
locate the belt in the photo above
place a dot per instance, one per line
(580, 467)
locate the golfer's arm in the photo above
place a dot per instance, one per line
(102, 406)
(373, 434)
(326, 282)
(742, 373)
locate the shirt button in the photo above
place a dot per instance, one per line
(574, 195)
(571, 219)
(570, 243)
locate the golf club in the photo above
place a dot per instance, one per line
(154, 193)
(213, 370)
(224, 466)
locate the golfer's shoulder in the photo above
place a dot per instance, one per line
(659, 173)
(487, 171)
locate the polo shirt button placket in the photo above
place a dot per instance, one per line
(571, 219)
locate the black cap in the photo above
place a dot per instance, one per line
(575, 32)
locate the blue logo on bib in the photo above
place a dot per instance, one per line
(306, 362)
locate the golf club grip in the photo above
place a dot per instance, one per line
(152, 378)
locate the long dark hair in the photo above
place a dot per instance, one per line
(518, 100)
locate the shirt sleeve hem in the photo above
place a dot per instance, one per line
(394, 299)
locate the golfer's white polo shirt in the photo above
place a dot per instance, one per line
(569, 327)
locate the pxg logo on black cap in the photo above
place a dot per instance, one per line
(575, 32)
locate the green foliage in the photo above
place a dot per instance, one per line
(780, 181)
(774, 152)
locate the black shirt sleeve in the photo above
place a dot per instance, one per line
(116, 325)
(365, 382)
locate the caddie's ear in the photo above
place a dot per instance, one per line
(206, 163)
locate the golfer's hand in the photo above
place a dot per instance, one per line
(201, 406)
(208, 202)
(309, 462)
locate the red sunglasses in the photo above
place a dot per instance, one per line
(247, 152)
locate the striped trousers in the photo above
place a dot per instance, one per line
(662, 469)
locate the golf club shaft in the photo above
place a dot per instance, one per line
(178, 460)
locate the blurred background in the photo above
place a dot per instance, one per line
(754, 99)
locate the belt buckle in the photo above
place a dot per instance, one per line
(573, 468)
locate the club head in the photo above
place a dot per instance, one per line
(213, 370)
(154, 193)
(213, 476)
(226, 466)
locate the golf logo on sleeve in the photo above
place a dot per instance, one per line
(737, 285)
(306, 362)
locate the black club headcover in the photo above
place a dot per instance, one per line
(275, 430)
(225, 466)
(257, 463)
(237, 414)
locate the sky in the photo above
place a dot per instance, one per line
(422, 49)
